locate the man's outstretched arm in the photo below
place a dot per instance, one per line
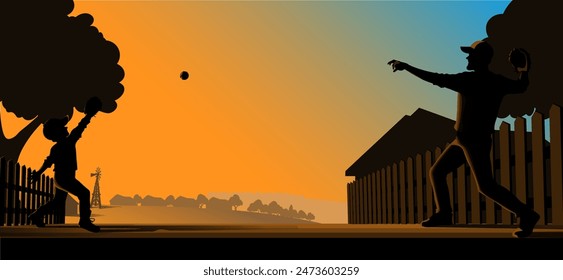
(440, 80)
(431, 77)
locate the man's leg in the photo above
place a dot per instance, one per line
(449, 160)
(480, 163)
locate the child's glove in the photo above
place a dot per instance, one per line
(93, 106)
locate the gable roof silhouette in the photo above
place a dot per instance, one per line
(71, 206)
(421, 131)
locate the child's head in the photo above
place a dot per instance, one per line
(55, 129)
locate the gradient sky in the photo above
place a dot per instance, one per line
(283, 95)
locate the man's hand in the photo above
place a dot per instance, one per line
(520, 59)
(397, 65)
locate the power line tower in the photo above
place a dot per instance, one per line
(96, 196)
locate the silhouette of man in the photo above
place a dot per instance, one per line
(480, 93)
(63, 156)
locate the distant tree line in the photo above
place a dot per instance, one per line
(213, 203)
(200, 202)
(274, 208)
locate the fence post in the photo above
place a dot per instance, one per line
(520, 159)
(419, 189)
(475, 200)
(356, 203)
(17, 200)
(395, 180)
(29, 196)
(351, 202)
(538, 138)
(556, 165)
(504, 153)
(389, 192)
(11, 195)
(361, 201)
(24, 194)
(378, 192)
(365, 195)
(367, 183)
(373, 209)
(3, 189)
(348, 203)
(403, 191)
(384, 196)
(461, 195)
(361, 198)
(410, 183)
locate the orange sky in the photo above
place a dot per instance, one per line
(282, 97)
(237, 124)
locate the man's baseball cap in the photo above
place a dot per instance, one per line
(480, 48)
(52, 124)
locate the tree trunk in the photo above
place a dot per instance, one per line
(12, 148)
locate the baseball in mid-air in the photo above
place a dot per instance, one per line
(184, 75)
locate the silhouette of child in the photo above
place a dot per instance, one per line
(480, 93)
(63, 156)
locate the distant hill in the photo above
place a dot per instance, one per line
(181, 215)
(325, 211)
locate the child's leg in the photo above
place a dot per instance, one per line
(57, 202)
(73, 186)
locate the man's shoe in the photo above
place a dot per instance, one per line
(89, 226)
(527, 224)
(438, 219)
(36, 219)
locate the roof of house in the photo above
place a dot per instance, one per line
(421, 131)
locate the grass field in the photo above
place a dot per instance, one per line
(180, 215)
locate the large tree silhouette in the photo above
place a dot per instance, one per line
(534, 26)
(52, 63)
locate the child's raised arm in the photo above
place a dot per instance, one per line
(93, 106)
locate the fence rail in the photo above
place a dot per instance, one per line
(19, 197)
(524, 162)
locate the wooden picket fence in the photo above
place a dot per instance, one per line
(523, 162)
(19, 198)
